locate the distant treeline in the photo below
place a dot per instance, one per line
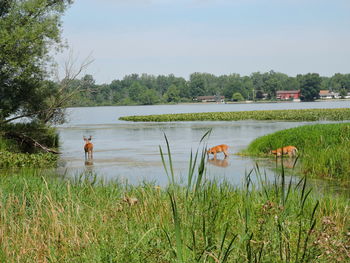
(149, 89)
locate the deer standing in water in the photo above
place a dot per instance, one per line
(218, 149)
(88, 148)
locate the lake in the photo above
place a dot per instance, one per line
(129, 152)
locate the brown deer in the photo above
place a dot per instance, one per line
(217, 149)
(290, 150)
(88, 148)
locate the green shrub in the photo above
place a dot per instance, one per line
(37, 160)
(41, 133)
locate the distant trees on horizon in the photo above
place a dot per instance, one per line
(148, 89)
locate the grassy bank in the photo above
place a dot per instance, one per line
(281, 115)
(324, 148)
(46, 219)
(15, 151)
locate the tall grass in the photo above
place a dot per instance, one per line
(324, 148)
(47, 219)
(282, 115)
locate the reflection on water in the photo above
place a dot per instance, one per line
(129, 151)
(219, 162)
(286, 162)
(89, 162)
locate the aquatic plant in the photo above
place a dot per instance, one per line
(282, 115)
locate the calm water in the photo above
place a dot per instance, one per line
(129, 151)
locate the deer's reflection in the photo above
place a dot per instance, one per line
(287, 162)
(219, 162)
(89, 162)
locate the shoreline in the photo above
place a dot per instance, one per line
(214, 103)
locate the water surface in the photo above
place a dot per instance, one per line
(129, 151)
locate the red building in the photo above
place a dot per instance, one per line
(288, 94)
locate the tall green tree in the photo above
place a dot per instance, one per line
(310, 85)
(197, 85)
(29, 29)
(173, 94)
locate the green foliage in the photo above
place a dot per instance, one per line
(284, 115)
(38, 160)
(173, 94)
(28, 30)
(171, 89)
(41, 133)
(149, 97)
(310, 85)
(343, 93)
(237, 97)
(15, 152)
(323, 148)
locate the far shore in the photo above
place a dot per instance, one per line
(210, 103)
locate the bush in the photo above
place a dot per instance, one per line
(41, 133)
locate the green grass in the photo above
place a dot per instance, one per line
(324, 149)
(282, 115)
(47, 219)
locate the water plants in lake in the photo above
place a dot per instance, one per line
(282, 115)
(324, 148)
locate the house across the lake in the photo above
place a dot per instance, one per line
(327, 94)
(288, 95)
(215, 98)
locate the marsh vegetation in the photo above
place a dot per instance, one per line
(45, 218)
(340, 114)
(323, 148)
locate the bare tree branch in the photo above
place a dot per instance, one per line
(61, 99)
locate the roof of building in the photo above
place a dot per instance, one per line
(325, 92)
(287, 91)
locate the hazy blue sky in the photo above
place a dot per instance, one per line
(213, 36)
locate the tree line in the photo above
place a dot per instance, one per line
(148, 89)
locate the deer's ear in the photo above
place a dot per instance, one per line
(84, 138)
(90, 138)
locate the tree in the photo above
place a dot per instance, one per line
(135, 90)
(341, 81)
(310, 85)
(343, 93)
(197, 85)
(237, 97)
(173, 94)
(259, 95)
(149, 97)
(29, 29)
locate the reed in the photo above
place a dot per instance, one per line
(46, 219)
(281, 115)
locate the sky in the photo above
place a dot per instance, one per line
(180, 37)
